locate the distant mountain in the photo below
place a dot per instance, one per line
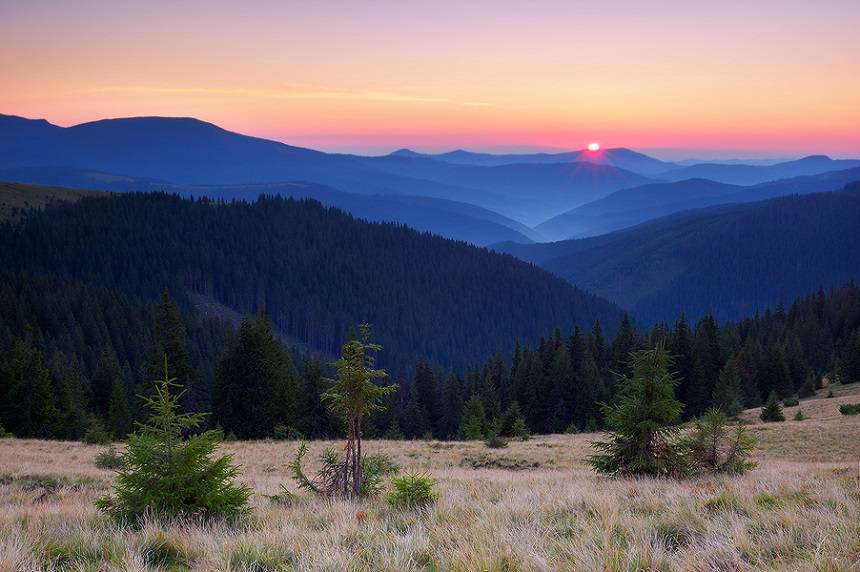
(451, 219)
(629, 207)
(315, 271)
(754, 174)
(522, 191)
(617, 157)
(729, 260)
(186, 151)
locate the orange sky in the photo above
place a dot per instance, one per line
(751, 77)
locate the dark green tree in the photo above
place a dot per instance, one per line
(849, 362)
(772, 410)
(119, 413)
(353, 395)
(473, 424)
(255, 383)
(643, 436)
(728, 394)
(164, 473)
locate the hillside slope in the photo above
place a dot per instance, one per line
(315, 271)
(730, 260)
(629, 207)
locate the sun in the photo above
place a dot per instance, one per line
(594, 146)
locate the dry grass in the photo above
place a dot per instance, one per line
(800, 510)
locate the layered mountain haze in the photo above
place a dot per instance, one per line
(629, 207)
(753, 174)
(618, 157)
(729, 261)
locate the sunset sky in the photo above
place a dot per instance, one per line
(748, 77)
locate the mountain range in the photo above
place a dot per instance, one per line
(729, 260)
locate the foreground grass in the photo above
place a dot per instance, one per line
(532, 506)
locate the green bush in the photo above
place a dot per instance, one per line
(713, 448)
(790, 402)
(286, 433)
(374, 468)
(772, 410)
(799, 416)
(808, 388)
(643, 437)
(96, 434)
(494, 440)
(850, 409)
(414, 490)
(110, 459)
(169, 475)
(3, 433)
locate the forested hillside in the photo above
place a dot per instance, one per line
(315, 271)
(730, 261)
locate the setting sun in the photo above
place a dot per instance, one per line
(594, 146)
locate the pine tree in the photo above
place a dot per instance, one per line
(353, 395)
(808, 388)
(849, 363)
(772, 410)
(513, 423)
(119, 414)
(256, 384)
(28, 408)
(171, 342)
(166, 474)
(474, 420)
(728, 395)
(623, 345)
(642, 439)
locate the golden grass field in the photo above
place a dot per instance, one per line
(531, 506)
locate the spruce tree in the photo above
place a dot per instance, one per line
(473, 424)
(353, 395)
(513, 423)
(849, 363)
(772, 410)
(728, 395)
(643, 437)
(171, 342)
(255, 383)
(119, 414)
(166, 474)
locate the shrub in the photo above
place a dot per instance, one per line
(799, 416)
(772, 410)
(850, 409)
(414, 490)
(374, 469)
(830, 394)
(808, 388)
(790, 402)
(513, 423)
(713, 448)
(96, 434)
(643, 438)
(286, 433)
(3, 433)
(494, 440)
(167, 474)
(109, 459)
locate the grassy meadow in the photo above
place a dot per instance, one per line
(534, 505)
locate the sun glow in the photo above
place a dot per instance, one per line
(594, 147)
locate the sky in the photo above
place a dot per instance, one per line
(721, 79)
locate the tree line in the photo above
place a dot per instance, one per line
(90, 381)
